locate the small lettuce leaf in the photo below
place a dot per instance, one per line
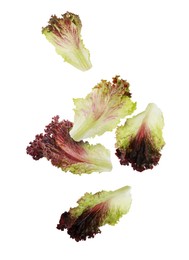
(102, 109)
(57, 146)
(64, 34)
(94, 211)
(140, 139)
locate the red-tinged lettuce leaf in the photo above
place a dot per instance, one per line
(140, 140)
(94, 211)
(64, 34)
(102, 109)
(57, 146)
(86, 225)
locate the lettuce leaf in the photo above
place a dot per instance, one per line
(65, 34)
(140, 139)
(94, 211)
(102, 109)
(57, 146)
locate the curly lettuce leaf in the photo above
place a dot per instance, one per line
(64, 34)
(94, 211)
(57, 146)
(102, 109)
(140, 139)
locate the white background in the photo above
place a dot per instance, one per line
(145, 42)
